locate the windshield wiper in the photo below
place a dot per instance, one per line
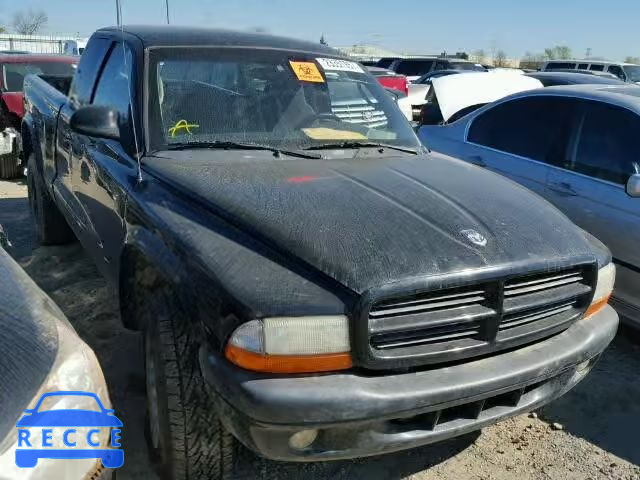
(333, 146)
(225, 145)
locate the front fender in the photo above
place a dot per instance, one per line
(145, 262)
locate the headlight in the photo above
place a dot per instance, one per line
(604, 288)
(75, 368)
(292, 345)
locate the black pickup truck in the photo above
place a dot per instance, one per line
(308, 279)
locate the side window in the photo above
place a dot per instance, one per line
(534, 127)
(84, 79)
(596, 68)
(583, 66)
(609, 145)
(414, 67)
(560, 66)
(440, 65)
(617, 71)
(113, 85)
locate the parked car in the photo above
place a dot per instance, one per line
(414, 68)
(402, 101)
(454, 96)
(419, 89)
(318, 286)
(390, 79)
(577, 146)
(385, 62)
(41, 353)
(627, 72)
(74, 47)
(14, 67)
(584, 72)
(555, 78)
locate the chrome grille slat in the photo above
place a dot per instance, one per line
(404, 343)
(509, 285)
(532, 317)
(541, 286)
(427, 306)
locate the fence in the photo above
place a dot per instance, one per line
(34, 43)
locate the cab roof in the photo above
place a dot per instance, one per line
(169, 35)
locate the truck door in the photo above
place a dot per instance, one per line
(103, 165)
(66, 143)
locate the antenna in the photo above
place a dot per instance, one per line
(167, 5)
(118, 13)
(133, 118)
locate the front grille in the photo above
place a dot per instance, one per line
(455, 323)
(360, 112)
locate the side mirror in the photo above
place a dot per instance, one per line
(633, 186)
(96, 121)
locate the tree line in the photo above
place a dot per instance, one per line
(28, 22)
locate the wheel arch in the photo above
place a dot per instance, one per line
(146, 263)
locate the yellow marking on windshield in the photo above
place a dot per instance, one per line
(307, 72)
(182, 125)
(323, 133)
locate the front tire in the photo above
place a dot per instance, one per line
(51, 226)
(185, 435)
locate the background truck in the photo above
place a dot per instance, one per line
(13, 69)
(309, 282)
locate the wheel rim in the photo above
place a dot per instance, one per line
(152, 390)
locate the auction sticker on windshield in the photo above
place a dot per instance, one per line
(307, 72)
(340, 65)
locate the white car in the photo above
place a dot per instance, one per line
(42, 353)
(74, 47)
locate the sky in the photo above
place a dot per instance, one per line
(610, 30)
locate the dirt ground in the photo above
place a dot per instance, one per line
(593, 432)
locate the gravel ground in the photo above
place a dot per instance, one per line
(593, 432)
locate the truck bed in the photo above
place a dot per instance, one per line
(44, 97)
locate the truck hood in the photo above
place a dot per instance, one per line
(13, 101)
(369, 222)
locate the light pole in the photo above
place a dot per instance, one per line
(167, 4)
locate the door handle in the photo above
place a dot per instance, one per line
(563, 188)
(477, 160)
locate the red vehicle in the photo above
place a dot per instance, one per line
(13, 69)
(389, 79)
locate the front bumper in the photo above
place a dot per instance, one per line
(363, 413)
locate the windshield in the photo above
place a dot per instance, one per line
(633, 72)
(268, 97)
(14, 73)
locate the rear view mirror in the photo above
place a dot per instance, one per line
(633, 186)
(96, 121)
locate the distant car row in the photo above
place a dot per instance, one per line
(627, 72)
(14, 67)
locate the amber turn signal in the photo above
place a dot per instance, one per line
(288, 363)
